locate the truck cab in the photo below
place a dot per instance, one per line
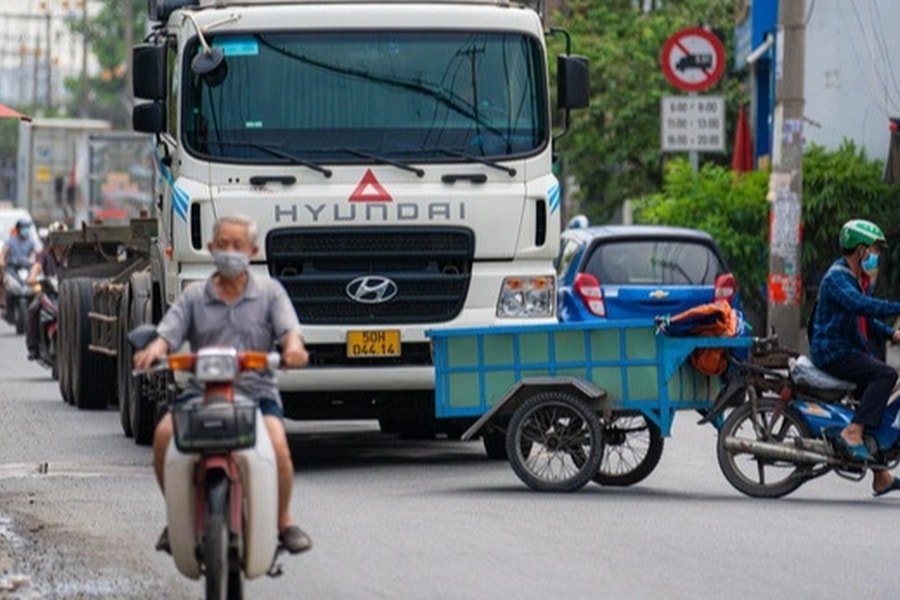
(397, 157)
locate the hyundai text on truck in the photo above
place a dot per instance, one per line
(397, 157)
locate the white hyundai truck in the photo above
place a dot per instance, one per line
(397, 157)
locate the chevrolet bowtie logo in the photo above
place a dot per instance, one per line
(658, 294)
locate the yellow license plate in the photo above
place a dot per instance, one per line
(381, 342)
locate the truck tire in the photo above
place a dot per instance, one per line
(93, 378)
(141, 404)
(123, 363)
(64, 355)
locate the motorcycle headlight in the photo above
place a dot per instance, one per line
(216, 364)
(526, 297)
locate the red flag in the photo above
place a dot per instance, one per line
(8, 113)
(742, 158)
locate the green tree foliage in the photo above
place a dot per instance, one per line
(838, 185)
(613, 150)
(105, 35)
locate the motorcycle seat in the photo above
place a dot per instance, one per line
(805, 374)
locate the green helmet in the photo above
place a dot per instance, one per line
(859, 231)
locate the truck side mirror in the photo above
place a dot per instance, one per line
(573, 75)
(149, 117)
(149, 71)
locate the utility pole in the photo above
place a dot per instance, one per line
(785, 285)
(85, 47)
(128, 14)
(49, 51)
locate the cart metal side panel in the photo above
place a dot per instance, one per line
(639, 369)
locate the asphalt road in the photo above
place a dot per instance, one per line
(394, 519)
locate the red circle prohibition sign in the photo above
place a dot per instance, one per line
(693, 59)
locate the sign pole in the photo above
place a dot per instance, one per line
(785, 284)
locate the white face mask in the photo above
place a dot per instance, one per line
(230, 264)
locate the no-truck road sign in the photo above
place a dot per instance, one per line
(693, 59)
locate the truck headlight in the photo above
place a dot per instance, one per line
(216, 364)
(526, 297)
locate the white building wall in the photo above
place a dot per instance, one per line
(852, 72)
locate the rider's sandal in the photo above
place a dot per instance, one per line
(895, 485)
(857, 452)
(294, 539)
(162, 544)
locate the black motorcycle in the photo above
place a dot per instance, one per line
(48, 324)
(19, 294)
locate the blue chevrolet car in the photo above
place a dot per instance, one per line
(639, 271)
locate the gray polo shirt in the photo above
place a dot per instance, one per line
(258, 319)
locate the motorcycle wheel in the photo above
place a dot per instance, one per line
(53, 356)
(21, 314)
(124, 366)
(554, 442)
(215, 541)
(632, 447)
(65, 336)
(10, 314)
(761, 477)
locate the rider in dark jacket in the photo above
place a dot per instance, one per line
(844, 323)
(47, 265)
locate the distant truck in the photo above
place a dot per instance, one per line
(46, 174)
(116, 174)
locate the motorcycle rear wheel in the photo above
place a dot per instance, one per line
(761, 477)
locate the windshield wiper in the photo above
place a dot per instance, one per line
(674, 266)
(381, 159)
(479, 159)
(269, 149)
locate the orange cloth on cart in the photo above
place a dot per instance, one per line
(717, 319)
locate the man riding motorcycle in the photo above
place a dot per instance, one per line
(18, 252)
(843, 325)
(235, 308)
(47, 265)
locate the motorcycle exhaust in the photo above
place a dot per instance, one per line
(807, 451)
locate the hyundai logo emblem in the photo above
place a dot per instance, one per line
(371, 289)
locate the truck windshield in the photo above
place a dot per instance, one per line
(395, 94)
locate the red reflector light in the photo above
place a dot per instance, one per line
(726, 287)
(587, 287)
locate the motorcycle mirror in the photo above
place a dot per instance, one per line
(141, 336)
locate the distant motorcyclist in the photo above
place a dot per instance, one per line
(20, 249)
(18, 252)
(47, 265)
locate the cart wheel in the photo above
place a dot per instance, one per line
(632, 447)
(495, 445)
(564, 441)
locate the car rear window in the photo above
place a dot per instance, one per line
(654, 262)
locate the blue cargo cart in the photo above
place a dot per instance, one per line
(570, 402)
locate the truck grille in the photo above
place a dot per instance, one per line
(430, 267)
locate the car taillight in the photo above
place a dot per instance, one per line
(588, 289)
(725, 287)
